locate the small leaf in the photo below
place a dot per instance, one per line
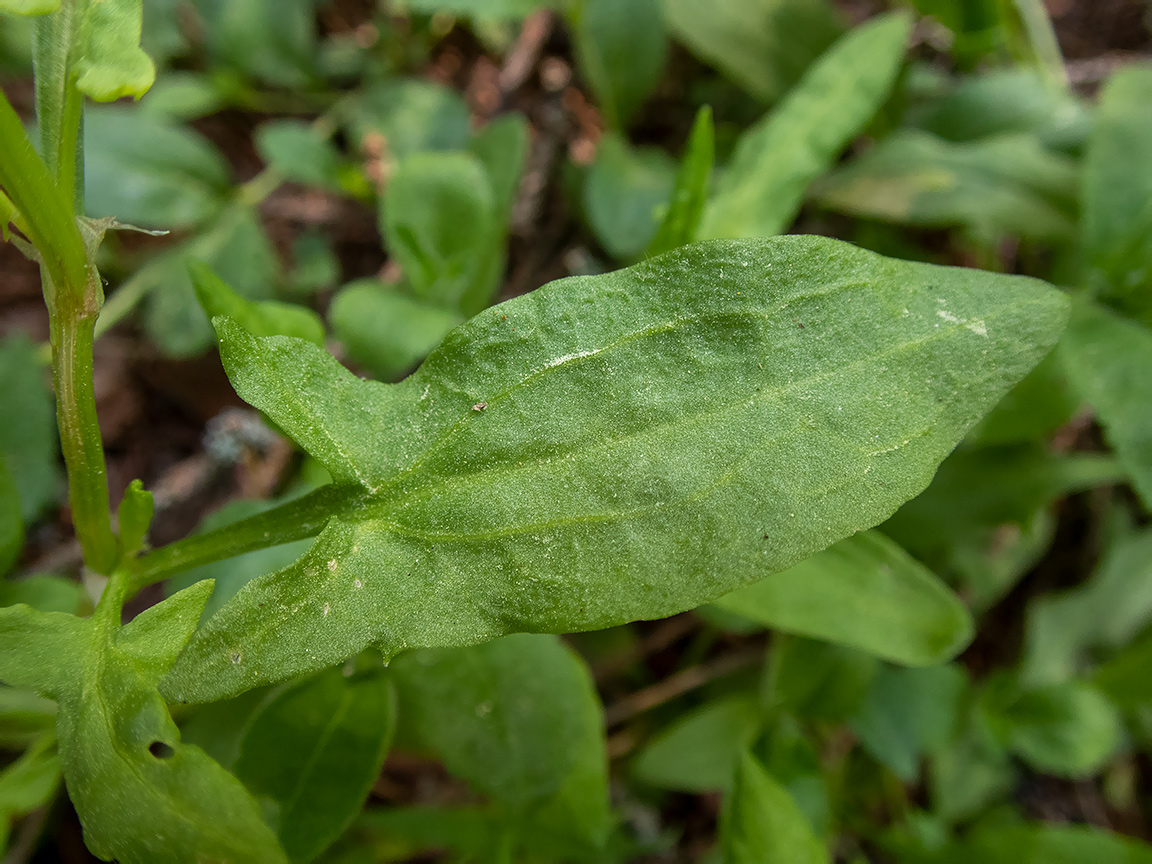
(183, 96)
(775, 161)
(623, 191)
(38, 650)
(408, 115)
(690, 194)
(135, 517)
(761, 824)
(111, 63)
(622, 48)
(313, 753)
(820, 681)
(1106, 358)
(156, 636)
(713, 416)
(864, 592)
(267, 318)
(294, 150)
(272, 40)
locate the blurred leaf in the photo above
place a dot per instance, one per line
(11, 520)
(1032, 410)
(28, 783)
(28, 7)
(44, 593)
(864, 592)
(484, 9)
(25, 717)
(28, 445)
(409, 116)
(502, 147)
(236, 248)
(316, 267)
(1107, 358)
(1124, 678)
(1117, 226)
(970, 773)
(385, 331)
(161, 35)
(144, 170)
(790, 756)
(621, 47)
(700, 750)
(110, 63)
(762, 188)
(761, 824)
(312, 754)
(1049, 844)
(623, 191)
(819, 681)
(267, 318)
(399, 833)
(272, 40)
(909, 713)
(690, 193)
(1003, 185)
(297, 153)
(183, 96)
(764, 45)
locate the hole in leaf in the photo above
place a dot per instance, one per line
(161, 750)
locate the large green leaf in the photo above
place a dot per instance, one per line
(775, 161)
(764, 45)
(761, 823)
(617, 447)
(1118, 194)
(312, 754)
(1107, 358)
(865, 592)
(28, 435)
(1004, 185)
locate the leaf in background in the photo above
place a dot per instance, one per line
(621, 48)
(28, 7)
(292, 149)
(1032, 410)
(820, 681)
(411, 116)
(1117, 224)
(483, 9)
(623, 191)
(519, 719)
(1107, 359)
(25, 717)
(970, 773)
(312, 754)
(11, 520)
(44, 593)
(690, 193)
(1004, 185)
(1124, 678)
(438, 216)
(28, 434)
(712, 417)
(864, 592)
(909, 713)
(762, 188)
(763, 45)
(700, 750)
(761, 824)
(272, 40)
(28, 783)
(146, 171)
(1046, 843)
(161, 35)
(267, 318)
(237, 249)
(110, 62)
(385, 331)
(183, 96)
(407, 832)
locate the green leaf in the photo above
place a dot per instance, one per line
(267, 318)
(483, 9)
(438, 216)
(44, 593)
(864, 592)
(623, 192)
(144, 170)
(1117, 225)
(1124, 678)
(515, 717)
(409, 116)
(272, 40)
(617, 447)
(11, 520)
(909, 713)
(1033, 409)
(761, 824)
(28, 7)
(28, 784)
(502, 147)
(775, 161)
(134, 517)
(183, 96)
(1105, 357)
(156, 636)
(312, 754)
(690, 194)
(764, 45)
(25, 717)
(385, 331)
(28, 435)
(622, 48)
(39, 648)
(1004, 185)
(700, 751)
(111, 64)
(1049, 844)
(820, 681)
(295, 151)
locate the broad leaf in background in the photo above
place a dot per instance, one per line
(11, 520)
(311, 755)
(144, 170)
(109, 61)
(714, 416)
(1008, 184)
(701, 750)
(761, 824)
(1048, 844)
(1034, 409)
(690, 192)
(623, 191)
(267, 318)
(864, 592)
(1118, 194)
(28, 434)
(482, 9)
(763, 45)
(296, 152)
(1124, 678)
(142, 795)
(1107, 358)
(45, 594)
(408, 116)
(819, 681)
(621, 47)
(775, 161)
(385, 331)
(272, 40)
(520, 720)
(184, 96)
(28, 783)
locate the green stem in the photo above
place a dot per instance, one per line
(297, 519)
